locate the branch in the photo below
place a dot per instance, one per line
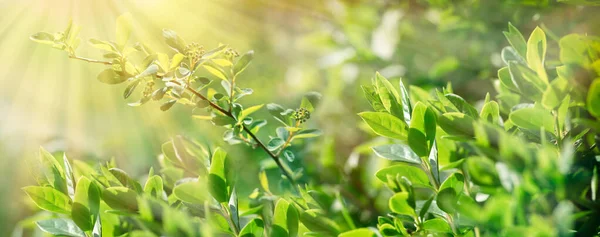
(258, 141)
(89, 60)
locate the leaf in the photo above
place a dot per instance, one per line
(416, 175)
(482, 171)
(454, 181)
(219, 184)
(516, 40)
(533, 119)
(285, 219)
(109, 76)
(308, 133)
(43, 37)
(60, 227)
(120, 198)
(125, 179)
(86, 206)
(248, 111)
(167, 105)
(574, 50)
(275, 143)
(104, 45)
(397, 152)
(243, 62)
(462, 105)
(406, 104)
(123, 31)
(399, 204)
(130, 88)
(192, 192)
(154, 186)
(385, 124)
(536, 53)
(69, 178)
(362, 232)
(150, 70)
(254, 228)
(49, 199)
(446, 200)
(422, 129)
(490, 112)
(373, 98)
(174, 41)
(215, 70)
(437, 225)
(456, 124)
(388, 96)
(593, 98)
(509, 54)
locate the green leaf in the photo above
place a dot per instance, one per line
(526, 80)
(125, 179)
(123, 31)
(416, 175)
(490, 112)
(215, 70)
(120, 198)
(174, 41)
(218, 181)
(454, 181)
(456, 124)
(110, 76)
(533, 119)
(154, 186)
(248, 111)
(399, 204)
(506, 79)
(130, 88)
(362, 232)
(49, 199)
(86, 206)
(446, 200)
(397, 152)
(60, 227)
(285, 219)
(574, 50)
(593, 98)
(167, 105)
(555, 93)
(482, 171)
(388, 96)
(422, 129)
(254, 228)
(385, 124)
(243, 62)
(305, 103)
(373, 98)
(275, 143)
(462, 105)
(308, 133)
(406, 104)
(437, 225)
(516, 40)
(43, 37)
(192, 192)
(536, 53)
(104, 45)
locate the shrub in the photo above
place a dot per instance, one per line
(521, 165)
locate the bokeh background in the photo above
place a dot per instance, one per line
(329, 46)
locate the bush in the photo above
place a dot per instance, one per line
(521, 165)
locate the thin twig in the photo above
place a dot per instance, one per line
(89, 60)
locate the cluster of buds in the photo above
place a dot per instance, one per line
(194, 51)
(230, 53)
(148, 89)
(301, 115)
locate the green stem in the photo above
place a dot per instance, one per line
(89, 60)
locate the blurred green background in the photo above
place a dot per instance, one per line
(329, 46)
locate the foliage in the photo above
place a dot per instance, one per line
(524, 164)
